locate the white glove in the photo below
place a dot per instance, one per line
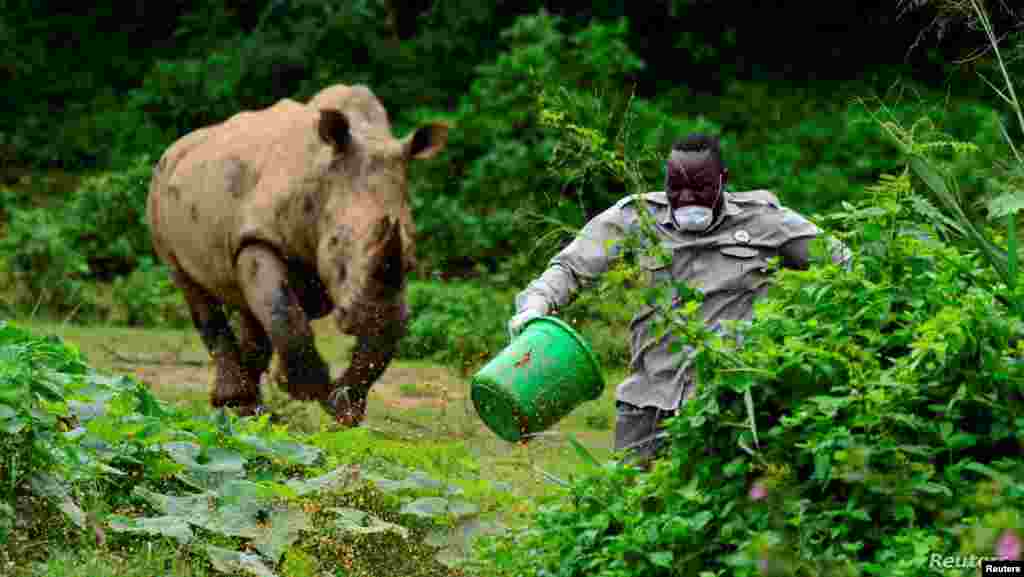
(516, 323)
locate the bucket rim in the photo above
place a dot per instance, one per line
(587, 351)
(513, 435)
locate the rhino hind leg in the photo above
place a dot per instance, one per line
(256, 348)
(263, 277)
(231, 388)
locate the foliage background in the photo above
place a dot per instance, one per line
(85, 118)
(559, 109)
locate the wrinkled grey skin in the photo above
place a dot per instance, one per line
(292, 213)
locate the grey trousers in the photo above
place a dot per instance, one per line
(638, 431)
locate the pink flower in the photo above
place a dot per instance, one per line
(762, 565)
(758, 491)
(1008, 546)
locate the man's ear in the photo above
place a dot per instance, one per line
(333, 128)
(427, 141)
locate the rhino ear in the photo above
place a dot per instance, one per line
(333, 128)
(427, 141)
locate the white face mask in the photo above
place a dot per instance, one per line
(696, 218)
(693, 218)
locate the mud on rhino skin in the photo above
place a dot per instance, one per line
(291, 213)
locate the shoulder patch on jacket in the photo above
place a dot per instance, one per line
(762, 197)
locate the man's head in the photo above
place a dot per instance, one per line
(694, 172)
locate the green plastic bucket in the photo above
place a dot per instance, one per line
(538, 379)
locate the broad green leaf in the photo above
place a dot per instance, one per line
(455, 543)
(295, 453)
(425, 507)
(84, 411)
(420, 480)
(461, 508)
(384, 484)
(234, 562)
(148, 405)
(281, 530)
(221, 460)
(239, 510)
(1006, 204)
(236, 511)
(12, 426)
(1002, 478)
(701, 519)
(204, 480)
(872, 232)
(52, 488)
(166, 526)
(822, 466)
(221, 466)
(661, 558)
(934, 489)
(360, 522)
(340, 477)
(196, 508)
(182, 452)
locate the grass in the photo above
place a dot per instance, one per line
(149, 560)
(420, 414)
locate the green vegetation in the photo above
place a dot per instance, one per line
(865, 422)
(101, 466)
(814, 143)
(869, 421)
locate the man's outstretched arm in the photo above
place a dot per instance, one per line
(578, 265)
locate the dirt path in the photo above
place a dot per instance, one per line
(425, 386)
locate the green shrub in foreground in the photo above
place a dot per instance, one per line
(98, 466)
(868, 425)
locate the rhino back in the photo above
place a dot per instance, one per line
(236, 180)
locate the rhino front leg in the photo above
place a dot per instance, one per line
(230, 387)
(263, 277)
(370, 358)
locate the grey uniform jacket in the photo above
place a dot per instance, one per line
(727, 263)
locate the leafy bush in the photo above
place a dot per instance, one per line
(458, 323)
(116, 469)
(148, 297)
(866, 424)
(105, 219)
(97, 234)
(42, 267)
(476, 207)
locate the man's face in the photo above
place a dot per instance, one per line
(693, 178)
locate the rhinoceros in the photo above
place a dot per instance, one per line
(291, 213)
